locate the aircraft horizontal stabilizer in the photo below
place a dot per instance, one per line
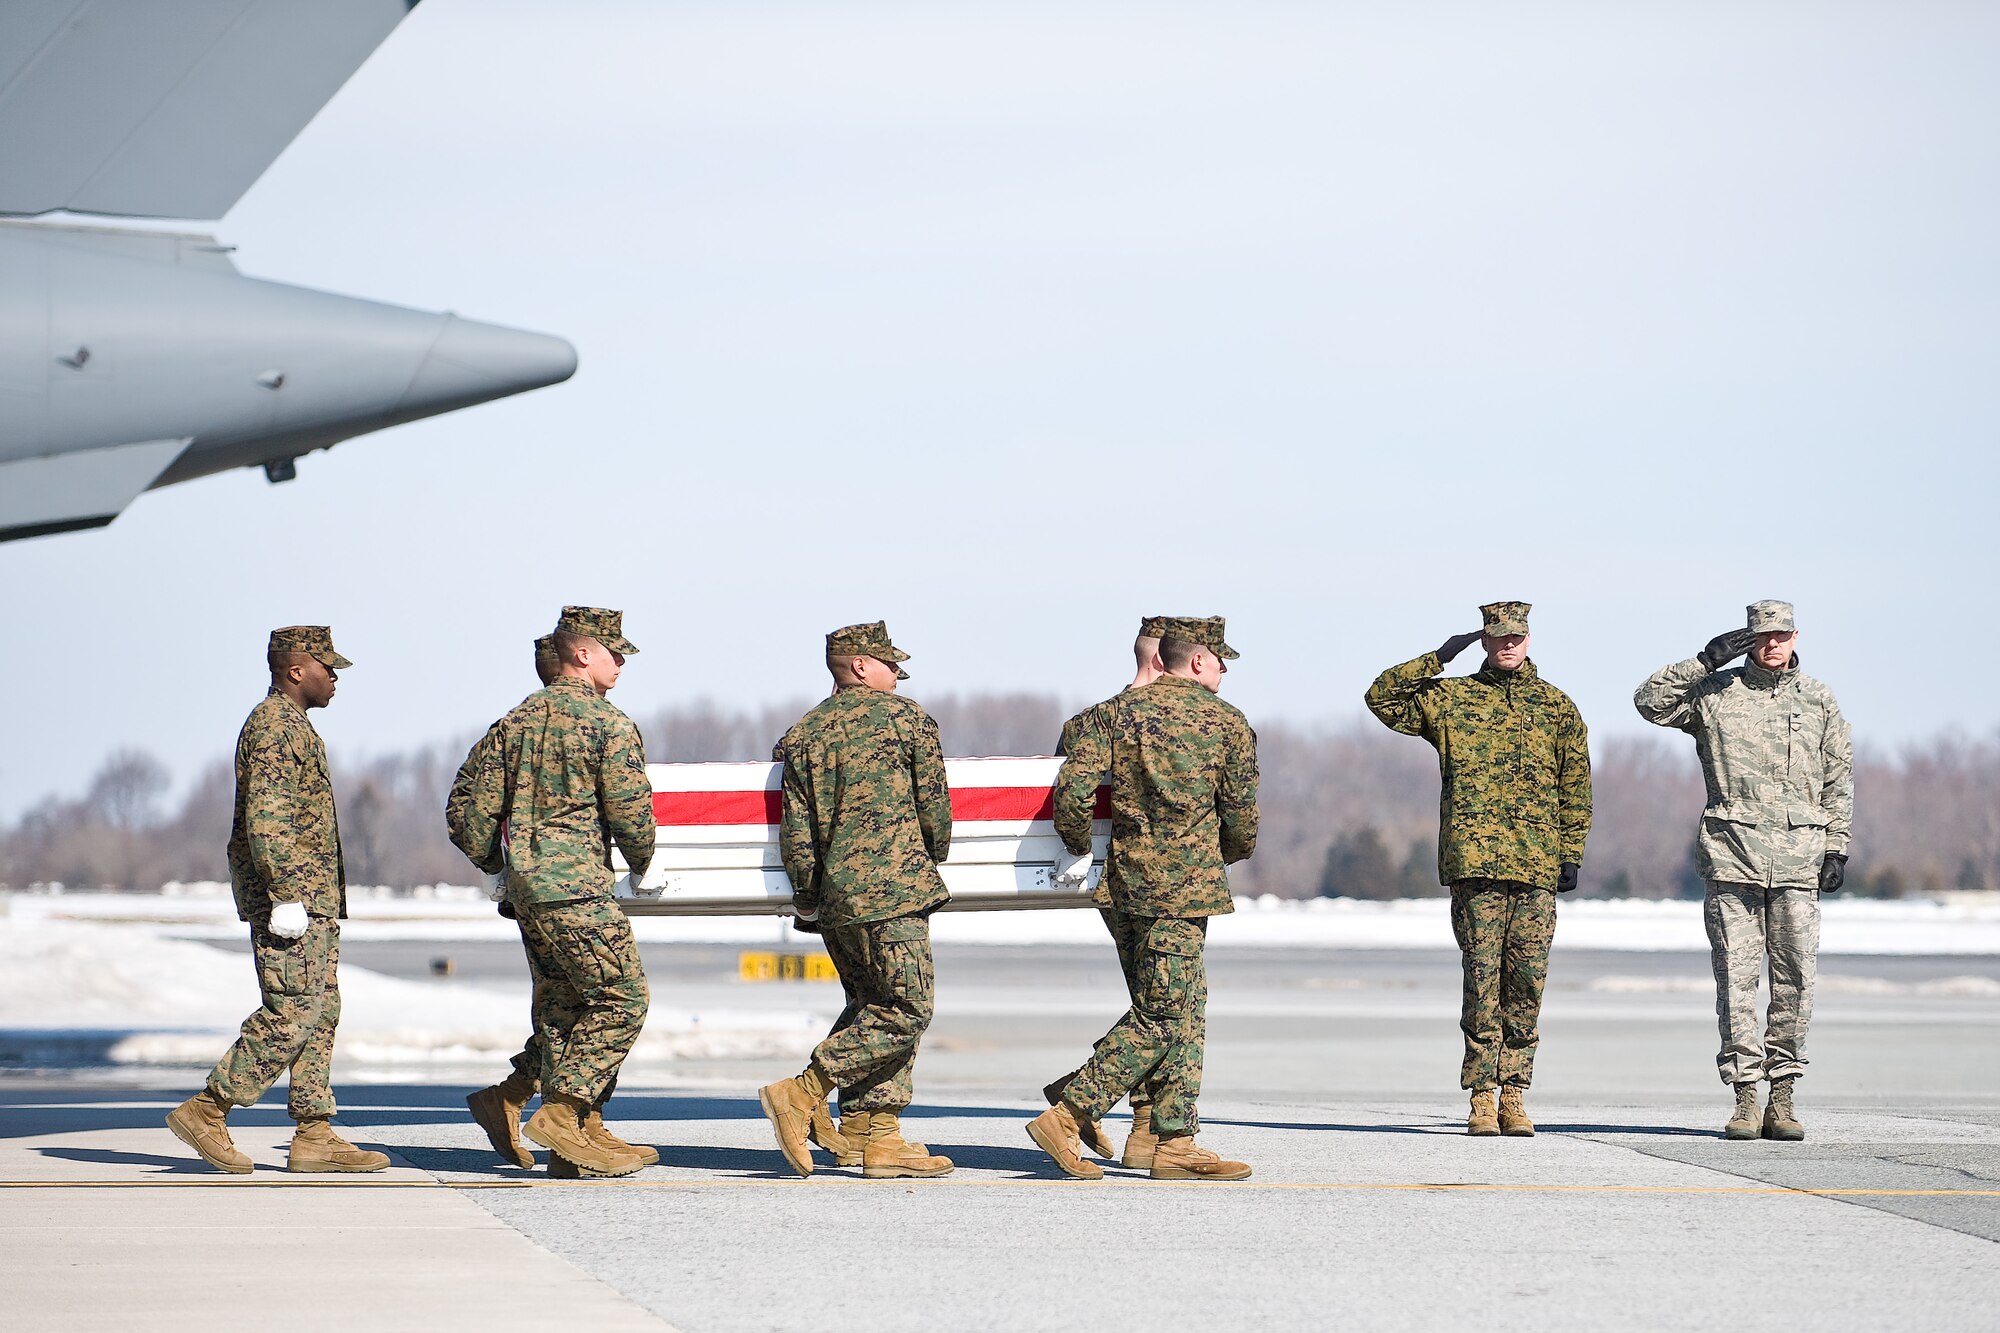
(143, 108)
(84, 489)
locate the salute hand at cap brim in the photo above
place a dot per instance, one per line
(1457, 644)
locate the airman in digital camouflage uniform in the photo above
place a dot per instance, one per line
(1183, 767)
(1778, 760)
(1513, 816)
(1087, 729)
(538, 796)
(866, 820)
(290, 883)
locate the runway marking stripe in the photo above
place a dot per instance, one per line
(1439, 1188)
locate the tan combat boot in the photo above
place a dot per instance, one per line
(854, 1131)
(1780, 1122)
(497, 1110)
(1484, 1120)
(836, 1139)
(1514, 1120)
(595, 1129)
(789, 1104)
(887, 1154)
(315, 1147)
(558, 1126)
(1182, 1159)
(1141, 1142)
(1055, 1133)
(1743, 1122)
(201, 1123)
(1089, 1132)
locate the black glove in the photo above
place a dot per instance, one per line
(1566, 876)
(1457, 644)
(1724, 648)
(806, 927)
(1833, 872)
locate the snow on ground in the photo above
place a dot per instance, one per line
(124, 978)
(82, 991)
(1849, 925)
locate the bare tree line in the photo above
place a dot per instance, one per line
(1348, 809)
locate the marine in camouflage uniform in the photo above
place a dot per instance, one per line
(1514, 813)
(1087, 731)
(866, 818)
(1778, 761)
(546, 793)
(497, 1109)
(290, 885)
(1183, 769)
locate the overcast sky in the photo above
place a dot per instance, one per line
(1011, 323)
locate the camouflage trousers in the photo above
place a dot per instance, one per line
(546, 1009)
(1156, 1048)
(293, 1028)
(590, 994)
(871, 1050)
(1503, 931)
(1747, 924)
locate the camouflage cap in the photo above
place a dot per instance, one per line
(1153, 627)
(316, 640)
(1204, 630)
(594, 622)
(1768, 617)
(547, 665)
(1503, 618)
(869, 640)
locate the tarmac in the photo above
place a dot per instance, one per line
(1333, 1074)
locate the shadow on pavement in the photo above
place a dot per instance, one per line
(189, 1165)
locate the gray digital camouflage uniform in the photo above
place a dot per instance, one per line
(1778, 761)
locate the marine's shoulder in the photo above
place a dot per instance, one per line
(904, 709)
(276, 716)
(1096, 714)
(1553, 693)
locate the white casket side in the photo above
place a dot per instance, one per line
(717, 847)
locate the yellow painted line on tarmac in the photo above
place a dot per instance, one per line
(626, 1182)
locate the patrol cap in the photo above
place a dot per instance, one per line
(1500, 619)
(594, 622)
(1769, 617)
(313, 640)
(1206, 631)
(869, 640)
(1153, 627)
(547, 665)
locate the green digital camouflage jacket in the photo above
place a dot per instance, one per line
(1087, 728)
(1515, 760)
(548, 790)
(1778, 759)
(866, 813)
(284, 841)
(1183, 767)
